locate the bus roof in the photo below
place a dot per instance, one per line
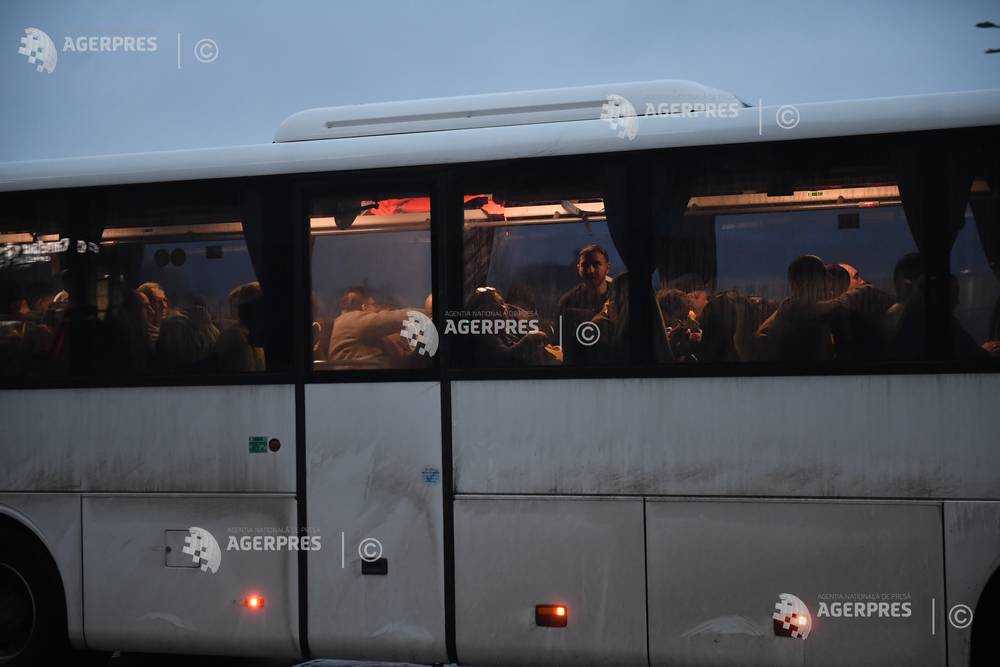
(526, 107)
(513, 125)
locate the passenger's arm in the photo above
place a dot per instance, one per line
(764, 344)
(384, 322)
(751, 344)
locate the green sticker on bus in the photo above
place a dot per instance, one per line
(258, 444)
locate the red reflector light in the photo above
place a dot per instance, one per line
(254, 602)
(551, 615)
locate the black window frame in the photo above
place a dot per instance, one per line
(431, 180)
(94, 200)
(445, 185)
(932, 147)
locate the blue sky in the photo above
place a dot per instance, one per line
(277, 58)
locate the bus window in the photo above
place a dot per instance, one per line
(37, 257)
(540, 254)
(151, 280)
(371, 274)
(777, 264)
(186, 282)
(975, 274)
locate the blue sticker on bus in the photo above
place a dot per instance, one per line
(431, 475)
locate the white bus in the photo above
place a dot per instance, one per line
(709, 384)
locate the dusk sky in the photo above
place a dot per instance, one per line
(276, 58)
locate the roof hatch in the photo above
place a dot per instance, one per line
(492, 110)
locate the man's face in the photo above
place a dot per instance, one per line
(856, 279)
(593, 268)
(698, 299)
(158, 306)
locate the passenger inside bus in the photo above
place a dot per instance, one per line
(613, 323)
(145, 299)
(366, 334)
(584, 301)
(906, 320)
(238, 349)
(507, 347)
(370, 266)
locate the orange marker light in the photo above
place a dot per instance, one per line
(551, 615)
(254, 602)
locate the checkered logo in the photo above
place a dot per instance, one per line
(203, 549)
(620, 116)
(791, 617)
(420, 333)
(39, 49)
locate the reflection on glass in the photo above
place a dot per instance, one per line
(371, 275)
(807, 273)
(546, 259)
(182, 290)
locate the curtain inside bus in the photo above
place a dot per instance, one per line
(264, 215)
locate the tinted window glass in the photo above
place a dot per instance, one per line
(975, 274)
(371, 280)
(38, 258)
(545, 283)
(782, 262)
(160, 280)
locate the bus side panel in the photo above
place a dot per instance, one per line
(972, 551)
(148, 439)
(374, 480)
(513, 553)
(55, 519)
(717, 569)
(139, 596)
(905, 436)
